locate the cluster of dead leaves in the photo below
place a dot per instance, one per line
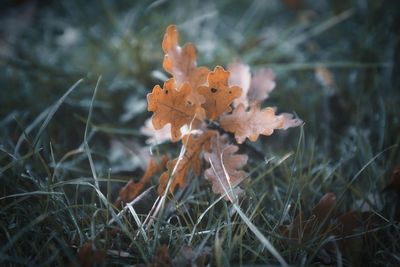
(195, 96)
(185, 106)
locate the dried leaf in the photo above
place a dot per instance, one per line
(132, 189)
(186, 257)
(324, 221)
(88, 256)
(169, 106)
(394, 182)
(223, 173)
(161, 259)
(318, 221)
(191, 160)
(250, 124)
(180, 62)
(240, 76)
(324, 77)
(218, 94)
(262, 83)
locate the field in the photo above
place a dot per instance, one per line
(74, 80)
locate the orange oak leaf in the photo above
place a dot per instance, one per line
(218, 94)
(250, 124)
(223, 172)
(180, 62)
(262, 83)
(191, 160)
(132, 189)
(169, 106)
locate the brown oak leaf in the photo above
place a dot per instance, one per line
(218, 94)
(223, 172)
(319, 220)
(168, 106)
(352, 230)
(132, 189)
(250, 124)
(191, 160)
(89, 256)
(180, 62)
(161, 258)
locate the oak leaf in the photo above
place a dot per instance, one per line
(180, 62)
(223, 172)
(304, 229)
(161, 258)
(218, 94)
(191, 160)
(262, 83)
(89, 256)
(250, 124)
(352, 230)
(169, 106)
(132, 189)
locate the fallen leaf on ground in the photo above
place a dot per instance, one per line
(187, 257)
(89, 256)
(162, 258)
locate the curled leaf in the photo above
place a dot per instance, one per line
(250, 124)
(223, 172)
(218, 94)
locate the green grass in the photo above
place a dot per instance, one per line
(71, 71)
